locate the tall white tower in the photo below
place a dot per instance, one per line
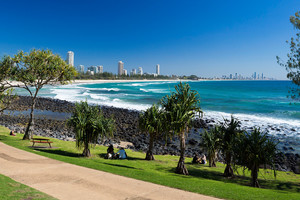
(100, 69)
(120, 68)
(81, 68)
(70, 58)
(140, 71)
(157, 69)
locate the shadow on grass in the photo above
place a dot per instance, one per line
(118, 165)
(102, 155)
(60, 152)
(200, 172)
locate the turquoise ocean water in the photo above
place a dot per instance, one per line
(255, 103)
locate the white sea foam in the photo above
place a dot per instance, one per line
(106, 89)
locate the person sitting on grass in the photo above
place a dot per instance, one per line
(203, 159)
(196, 159)
(122, 154)
(12, 133)
(110, 152)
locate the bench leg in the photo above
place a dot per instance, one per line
(32, 144)
(50, 145)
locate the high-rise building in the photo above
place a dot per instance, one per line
(93, 69)
(81, 68)
(254, 75)
(262, 76)
(236, 76)
(70, 58)
(230, 76)
(100, 69)
(120, 68)
(125, 72)
(133, 72)
(157, 69)
(140, 71)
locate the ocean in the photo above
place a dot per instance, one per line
(256, 103)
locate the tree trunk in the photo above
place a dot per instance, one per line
(212, 159)
(86, 151)
(149, 154)
(254, 175)
(30, 126)
(181, 169)
(228, 170)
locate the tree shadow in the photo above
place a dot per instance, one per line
(118, 165)
(60, 152)
(200, 172)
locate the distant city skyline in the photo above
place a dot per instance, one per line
(194, 37)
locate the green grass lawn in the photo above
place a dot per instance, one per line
(202, 179)
(10, 189)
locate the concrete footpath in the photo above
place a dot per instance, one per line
(66, 181)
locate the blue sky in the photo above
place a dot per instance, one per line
(206, 38)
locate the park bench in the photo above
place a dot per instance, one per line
(41, 140)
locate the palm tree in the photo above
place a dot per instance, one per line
(257, 149)
(211, 141)
(230, 136)
(151, 121)
(89, 123)
(181, 107)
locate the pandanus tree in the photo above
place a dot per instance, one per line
(31, 71)
(152, 121)
(256, 149)
(89, 124)
(230, 137)
(180, 108)
(211, 141)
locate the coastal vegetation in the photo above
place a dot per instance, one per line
(211, 141)
(31, 71)
(152, 121)
(292, 65)
(250, 150)
(230, 137)
(6, 97)
(180, 108)
(256, 149)
(203, 179)
(89, 124)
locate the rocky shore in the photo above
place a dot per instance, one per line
(126, 122)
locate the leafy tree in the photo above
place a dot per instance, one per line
(152, 121)
(256, 149)
(180, 108)
(212, 141)
(292, 65)
(6, 98)
(89, 123)
(230, 137)
(31, 71)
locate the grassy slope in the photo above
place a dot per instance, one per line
(10, 189)
(202, 179)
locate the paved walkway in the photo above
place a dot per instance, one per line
(67, 181)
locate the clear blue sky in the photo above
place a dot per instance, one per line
(206, 38)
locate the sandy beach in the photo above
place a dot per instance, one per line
(119, 81)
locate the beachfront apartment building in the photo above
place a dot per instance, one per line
(100, 69)
(120, 68)
(125, 72)
(133, 72)
(140, 71)
(158, 69)
(93, 69)
(70, 58)
(80, 69)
